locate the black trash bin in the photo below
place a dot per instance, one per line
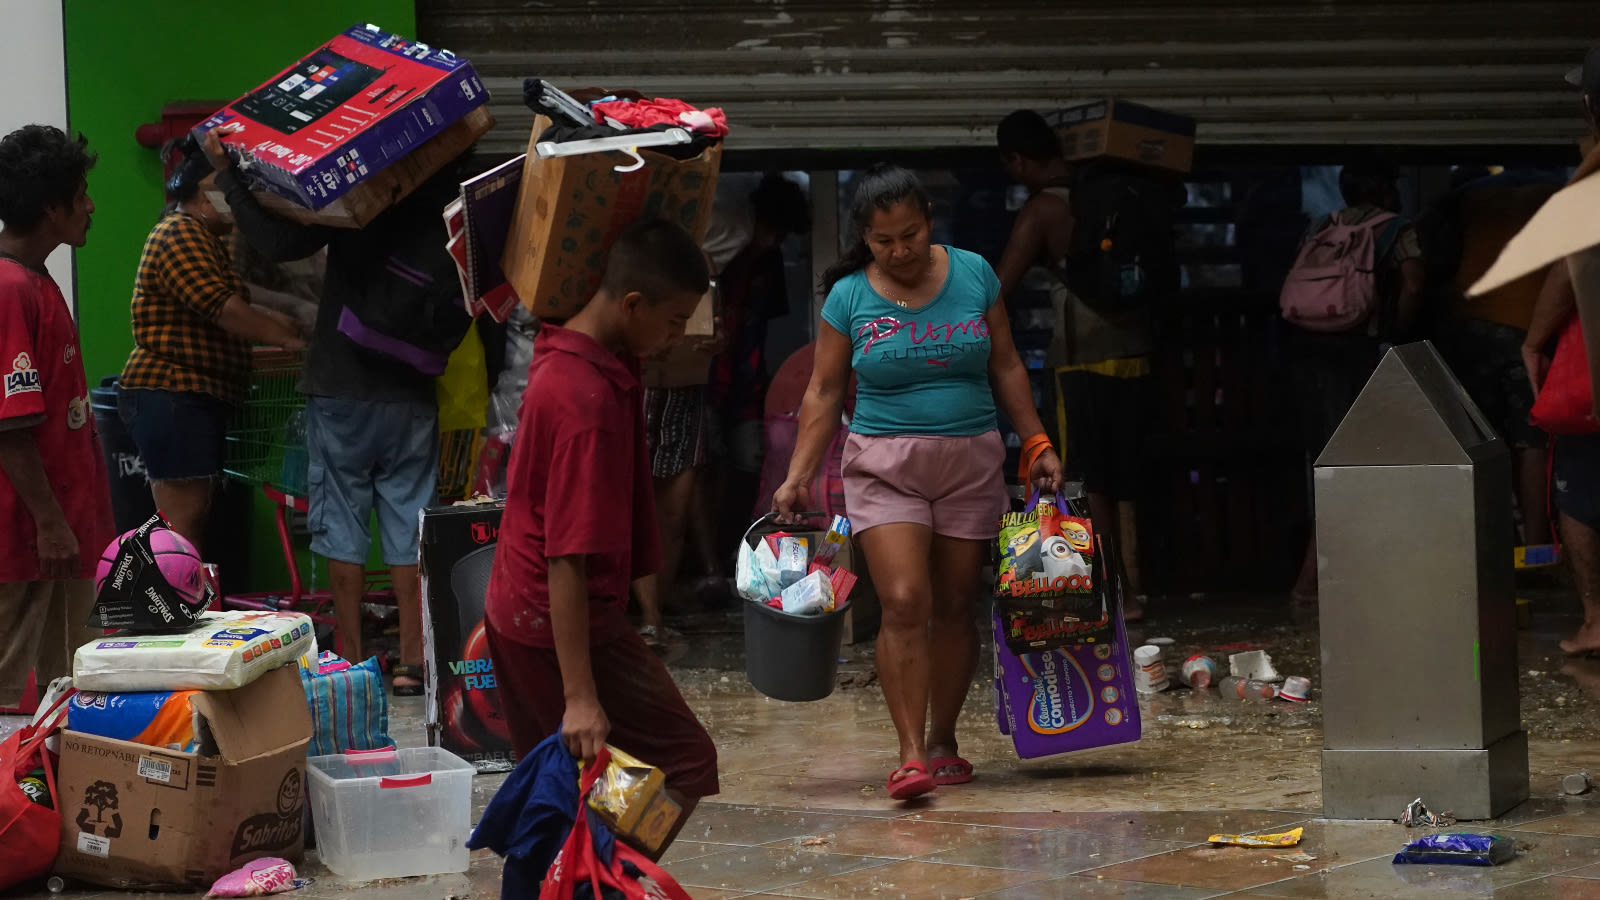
(131, 503)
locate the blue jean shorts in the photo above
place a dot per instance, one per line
(368, 456)
(179, 433)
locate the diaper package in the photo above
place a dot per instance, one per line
(163, 719)
(224, 651)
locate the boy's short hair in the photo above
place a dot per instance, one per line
(40, 169)
(655, 258)
(1027, 134)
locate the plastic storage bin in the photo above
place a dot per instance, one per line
(392, 813)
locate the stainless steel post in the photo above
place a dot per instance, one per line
(1418, 613)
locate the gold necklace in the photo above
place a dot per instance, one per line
(903, 304)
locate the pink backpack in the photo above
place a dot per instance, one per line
(1333, 286)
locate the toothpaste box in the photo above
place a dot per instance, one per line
(345, 112)
(1073, 698)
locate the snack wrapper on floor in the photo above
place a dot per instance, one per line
(810, 596)
(631, 798)
(256, 879)
(1285, 839)
(1458, 850)
(223, 651)
(164, 719)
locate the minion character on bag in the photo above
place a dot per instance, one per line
(1022, 559)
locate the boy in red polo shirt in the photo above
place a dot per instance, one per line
(579, 527)
(55, 505)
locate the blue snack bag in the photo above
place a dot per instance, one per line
(1458, 850)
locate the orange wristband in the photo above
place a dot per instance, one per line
(1032, 448)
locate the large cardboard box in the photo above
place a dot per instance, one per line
(463, 711)
(571, 208)
(377, 193)
(138, 817)
(345, 112)
(1127, 131)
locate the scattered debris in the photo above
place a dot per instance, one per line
(1253, 665)
(1417, 815)
(854, 680)
(1576, 784)
(1286, 839)
(814, 842)
(1299, 856)
(1458, 850)
(1161, 641)
(1295, 689)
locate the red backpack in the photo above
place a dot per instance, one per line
(1333, 286)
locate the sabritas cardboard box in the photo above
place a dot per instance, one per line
(1126, 131)
(345, 112)
(570, 209)
(371, 197)
(134, 816)
(462, 708)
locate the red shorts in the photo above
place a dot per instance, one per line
(649, 718)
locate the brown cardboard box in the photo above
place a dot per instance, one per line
(139, 817)
(1126, 131)
(570, 209)
(394, 183)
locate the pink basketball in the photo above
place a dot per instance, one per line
(177, 559)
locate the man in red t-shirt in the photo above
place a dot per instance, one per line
(55, 502)
(580, 527)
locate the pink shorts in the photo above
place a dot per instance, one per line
(954, 485)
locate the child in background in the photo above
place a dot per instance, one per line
(580, 527)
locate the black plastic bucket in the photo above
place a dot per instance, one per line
(131, 503)
(786, 657)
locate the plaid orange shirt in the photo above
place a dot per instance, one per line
(185, 276)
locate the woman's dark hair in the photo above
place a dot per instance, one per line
(883, 187)
(190, 168)
(41, 168)
(1367, 182)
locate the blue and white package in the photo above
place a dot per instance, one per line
(1458, 850)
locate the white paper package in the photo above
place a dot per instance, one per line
(225, 650)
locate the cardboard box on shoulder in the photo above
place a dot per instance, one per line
(389, 186)
(139, 817)
(571, 208)
(462, 706)
(1128, 131)
(344, 113)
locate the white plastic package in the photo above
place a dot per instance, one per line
(225, 650)
(810, 596)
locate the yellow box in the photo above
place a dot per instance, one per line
(631, 798)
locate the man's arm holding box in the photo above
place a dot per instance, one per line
(274, 237)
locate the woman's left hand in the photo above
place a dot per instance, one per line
(1046, 474)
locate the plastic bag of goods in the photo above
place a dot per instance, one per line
(223, 651)
(162, 719)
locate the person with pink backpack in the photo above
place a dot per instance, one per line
(1355, 288)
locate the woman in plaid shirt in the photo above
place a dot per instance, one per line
(193, 325)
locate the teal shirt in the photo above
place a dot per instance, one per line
(920, 371)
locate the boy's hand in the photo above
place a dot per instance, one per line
(585, 728)
(58, 549)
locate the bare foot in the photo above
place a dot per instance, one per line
(1587, 640)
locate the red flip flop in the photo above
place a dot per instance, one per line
(910, 786)
(962, 767)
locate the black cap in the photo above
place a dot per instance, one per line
(1587, 76)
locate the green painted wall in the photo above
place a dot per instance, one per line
(125, 61)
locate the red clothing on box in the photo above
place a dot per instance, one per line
(45, 388)
(578, 484)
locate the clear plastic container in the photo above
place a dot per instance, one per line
(392, 813)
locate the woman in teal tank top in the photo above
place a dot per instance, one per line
(926, 334)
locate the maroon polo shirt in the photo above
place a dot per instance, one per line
(578, 485)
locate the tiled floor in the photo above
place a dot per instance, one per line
(803, 814)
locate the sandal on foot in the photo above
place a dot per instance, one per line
(914, 782)
(961, 775)
(406, 690)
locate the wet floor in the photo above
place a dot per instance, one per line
(803, 812)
